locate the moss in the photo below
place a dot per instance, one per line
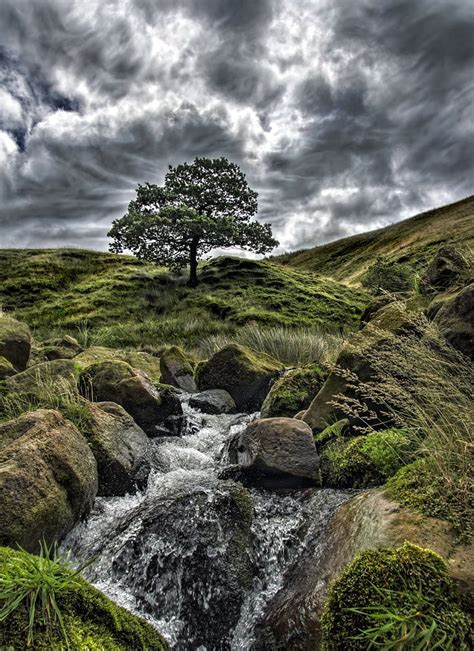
(145, 362)
(419, 487)
(392, 578)
(91, 621)
(293, 392)
(366, 461)
(334, 431)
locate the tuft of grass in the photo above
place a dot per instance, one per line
(35, 582)
(291, 346)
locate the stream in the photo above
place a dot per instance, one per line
(198, 557)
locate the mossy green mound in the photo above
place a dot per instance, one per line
(293, 392)
(406, 589)
(366, 461)
(91, 621)
(418, 486)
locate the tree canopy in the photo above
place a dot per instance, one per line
(201, 206)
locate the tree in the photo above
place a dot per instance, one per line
(201, 206)
(388, 276)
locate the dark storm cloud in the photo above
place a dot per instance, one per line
(345, 116)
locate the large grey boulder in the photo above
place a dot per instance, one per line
(176, 370)
(242, 372)
(15, 342)
(48, 479)
(119, 446)
(155, 411)
(213, 401)
(276, 453)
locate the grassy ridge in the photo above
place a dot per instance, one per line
(121, 301)
(414, 240)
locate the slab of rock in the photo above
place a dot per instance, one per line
(455, 320)
(447, 269)
(44, 379)
(277, 453)
(293, 392)
(15, 342)
(213, 401)
(48, 479)
(116, 381)
(65, 347)
(242, 372)
(176, 370)
(149, 364)
(119, 446)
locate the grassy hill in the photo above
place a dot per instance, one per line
(413, 240)
(119, 301)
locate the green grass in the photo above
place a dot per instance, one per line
(413, 241)
(117, 301)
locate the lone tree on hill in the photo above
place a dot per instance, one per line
(201, 206)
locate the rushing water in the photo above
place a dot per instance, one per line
(179, 553)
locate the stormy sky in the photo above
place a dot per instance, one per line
(345, 115)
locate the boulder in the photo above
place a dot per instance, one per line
(41, 380)
(61, 348)
(213, 401)
(207, 527)
(277, 453)
(373, 307)
(15, 342)
(48, 478)
(145, 362)
(293, 392)
(116, 381)
(119, 446)
(176, 370)
(447, 269)
(455, 320)
(244, 373)
(6, 368)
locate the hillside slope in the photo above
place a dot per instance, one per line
(118, 300)
(413, 240)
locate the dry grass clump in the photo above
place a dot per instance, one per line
(291, 346)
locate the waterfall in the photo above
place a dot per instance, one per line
(187, 553)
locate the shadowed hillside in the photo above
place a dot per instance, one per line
(414, 240)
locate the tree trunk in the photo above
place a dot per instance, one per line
(193, 279)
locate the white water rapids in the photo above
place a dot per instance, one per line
(167, 553)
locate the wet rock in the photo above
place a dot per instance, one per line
(116, 381)
(15, 342)
(207, 527)
(213, 401)
(277, 453)
(242, 372)
(447, 269)
(119, 446)
(48, 479)
(176, 370)
(42, 380)
(455, 320)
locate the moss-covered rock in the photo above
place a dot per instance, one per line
(48, 478)
(65, 347)
(92, 622)
(418, 486)
(119, 446)
(366, 461)
(145, 362)
(176, 369)
(293, 392)
(117, 381)
(58, 376)
(410, 582)
(6, 368)
(15, 342)
(455, 320)
(448, 268)
(244, 373)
